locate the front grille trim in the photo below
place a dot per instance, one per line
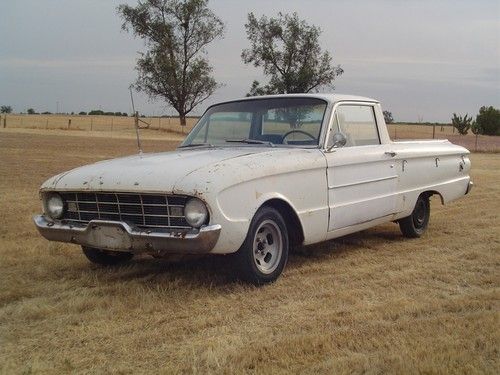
(82, 207)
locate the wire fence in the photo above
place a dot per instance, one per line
(95, 123)
(172, 124)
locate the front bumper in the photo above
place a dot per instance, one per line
(119, 236)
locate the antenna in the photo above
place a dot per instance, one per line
(136, 122)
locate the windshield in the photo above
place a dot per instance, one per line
(272, 121)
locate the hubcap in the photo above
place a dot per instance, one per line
(267, 246)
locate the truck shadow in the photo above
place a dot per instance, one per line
(217, 271)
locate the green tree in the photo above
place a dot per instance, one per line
(388, 117)
(488, 121)
(6, 109)
(30, 111)
(174, 66)
(462, 124)
(289, 53)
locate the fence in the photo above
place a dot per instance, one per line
(172, 124)
(94, 123)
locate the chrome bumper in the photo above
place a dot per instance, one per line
(119, 236)
(469, 187)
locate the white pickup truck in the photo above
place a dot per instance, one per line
(255, 178)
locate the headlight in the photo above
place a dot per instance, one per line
(195, 212)
(54, 205)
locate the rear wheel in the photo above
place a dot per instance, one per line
(415, 225)
(106, 257)
(263, 256)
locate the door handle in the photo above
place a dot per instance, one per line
(390, 153)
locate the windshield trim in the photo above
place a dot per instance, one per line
(321, 133)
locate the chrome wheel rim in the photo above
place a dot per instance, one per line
(267, 246)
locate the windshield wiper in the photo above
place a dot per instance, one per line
(197, 145)
(250, 141)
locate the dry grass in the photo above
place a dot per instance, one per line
(93, 123)
(372, 303)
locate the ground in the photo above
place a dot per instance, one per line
(373, 302)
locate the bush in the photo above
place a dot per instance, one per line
(462, 124)
(488, 121)
(82, 113)
(388, 117)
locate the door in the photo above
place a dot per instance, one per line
(362, 175)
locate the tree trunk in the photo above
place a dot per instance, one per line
(183, 120)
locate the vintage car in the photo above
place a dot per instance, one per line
(255, 178)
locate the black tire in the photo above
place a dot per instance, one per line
(263, 256)
(106, 257)
(415, 225)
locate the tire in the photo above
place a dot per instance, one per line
(415, 225)
(263, 256)
(106, 257)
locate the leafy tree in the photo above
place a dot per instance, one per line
(462, 124)
(30, 111)
(488, 121)
(96, 112)
(289, 52)
(388, 117)
(174, 67)
(46, 113)
(6, 109)
(82, 113)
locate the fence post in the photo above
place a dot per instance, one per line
(5, 121)
(69, 123)
(434, 131)
(91, 123)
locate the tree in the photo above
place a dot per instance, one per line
(174, 66)
(289, 52)
(388, 117)
(462, 124)
(30, 111)
(6, 109)
(82, 113)
(488, 121)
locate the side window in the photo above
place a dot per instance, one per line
(357, 123)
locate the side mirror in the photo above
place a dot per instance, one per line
(338, 140)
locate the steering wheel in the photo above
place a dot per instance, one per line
(296, 131)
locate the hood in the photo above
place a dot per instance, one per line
(146, 172)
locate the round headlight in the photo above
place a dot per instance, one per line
(54, 205)
(195, 212)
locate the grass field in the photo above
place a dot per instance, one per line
(369, 303)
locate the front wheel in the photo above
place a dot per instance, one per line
(415, 225)
(263, 256)
(106, 257)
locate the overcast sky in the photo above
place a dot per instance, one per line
(422, 59)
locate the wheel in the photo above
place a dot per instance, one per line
(106, 257)
(415, 225)
(264, 254)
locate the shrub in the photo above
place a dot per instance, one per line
(488, 121)
(462, 124)
(388, 117)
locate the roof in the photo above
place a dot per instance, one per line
(329, 97)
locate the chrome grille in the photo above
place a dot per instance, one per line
(142, 210)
